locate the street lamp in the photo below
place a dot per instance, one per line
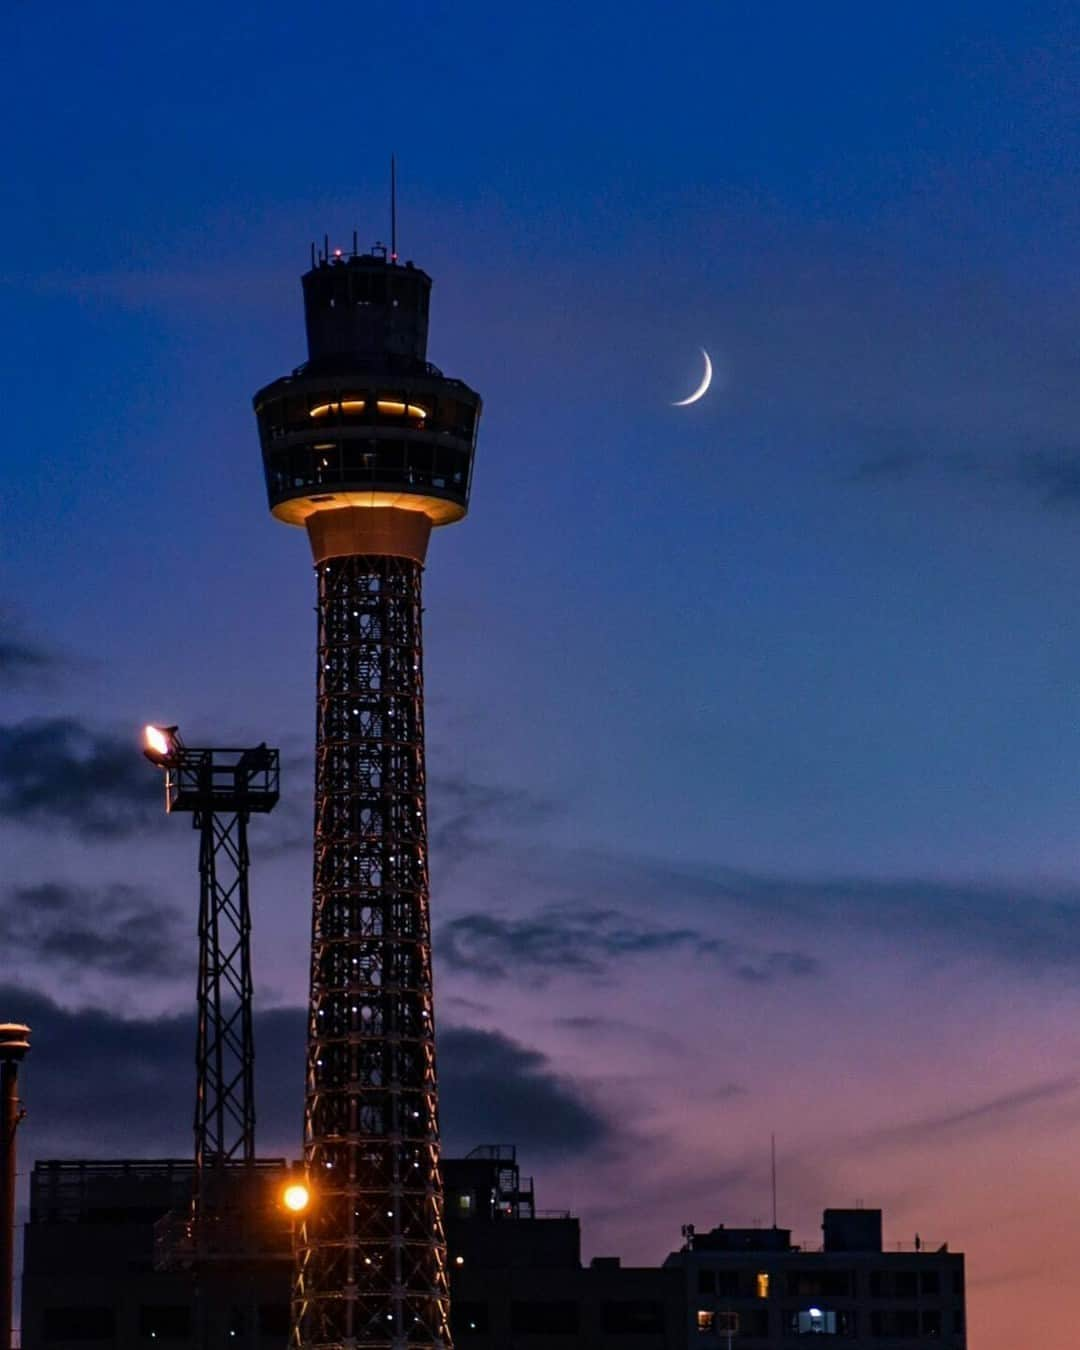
(296, 1197)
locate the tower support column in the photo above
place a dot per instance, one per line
(372, 1254)
(369, 447)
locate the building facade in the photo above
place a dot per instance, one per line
(753, 1287)
(98, 1272)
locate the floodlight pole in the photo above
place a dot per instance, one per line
(14, 1044)
(221, 788)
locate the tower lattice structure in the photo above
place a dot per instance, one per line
(221, 788)
(369, 446)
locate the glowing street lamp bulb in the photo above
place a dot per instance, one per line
(296, 1197)
(156, 740)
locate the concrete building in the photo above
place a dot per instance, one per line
(103, 1263)
(752, 1287)
(99, 1231)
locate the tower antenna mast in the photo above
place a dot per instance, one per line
(393, 208)
(773, 1146)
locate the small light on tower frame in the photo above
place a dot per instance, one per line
(296, 1197)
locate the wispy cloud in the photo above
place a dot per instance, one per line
(467, 817)
(987, 1112)
(113, 930)
(59, 771)
(1053, 475)
(1032, 928)
(574, 940)
(97, 1084)
(22, 659)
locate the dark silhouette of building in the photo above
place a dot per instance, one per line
(369, 446)
(752, 1286)
(516, 1275)
(93, 1273)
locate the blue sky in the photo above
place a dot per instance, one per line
(777, 691)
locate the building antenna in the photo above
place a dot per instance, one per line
(393, 208)
(773, 1146)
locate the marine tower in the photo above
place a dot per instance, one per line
(368, 447)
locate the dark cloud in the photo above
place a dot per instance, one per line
(1050, 477)
(100, 1085)
(21, 661)
(113, 930)
(57, 771)
(493, 1090)
(1054, 476)
(1022, 927)
(564, 939)
(1031, 928)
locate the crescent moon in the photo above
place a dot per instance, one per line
(702, 388)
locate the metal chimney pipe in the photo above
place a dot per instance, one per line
(14, 1043)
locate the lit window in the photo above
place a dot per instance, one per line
(815, 1320)
(705, 1320)
(762, 1284)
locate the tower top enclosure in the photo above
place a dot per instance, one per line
(366, 307)
(367, 423)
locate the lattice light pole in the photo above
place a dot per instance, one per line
(221, 788)
(368, 446)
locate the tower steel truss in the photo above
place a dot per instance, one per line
(221, 788)
(225, 1044)
(372, 1255)
(369, 447)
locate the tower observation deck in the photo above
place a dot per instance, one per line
(368, 446)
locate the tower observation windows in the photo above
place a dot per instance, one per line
(292, 412)
(415, 436)
(384, 408)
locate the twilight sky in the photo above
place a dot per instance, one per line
(754, 727)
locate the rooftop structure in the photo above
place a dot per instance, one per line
(753, 1287)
